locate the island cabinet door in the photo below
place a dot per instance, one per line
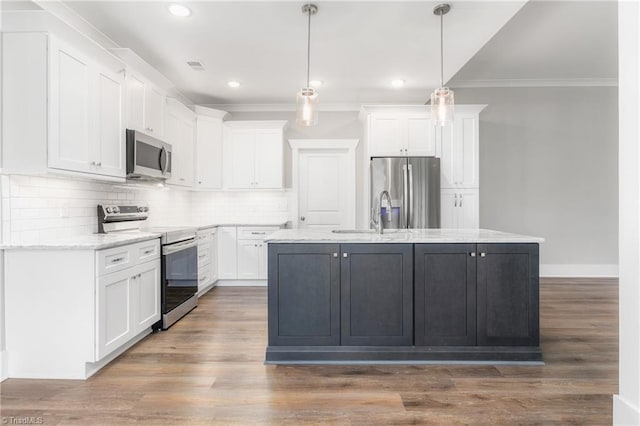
(445, 294)
(304, 294)
(377, 294)
(508, 299)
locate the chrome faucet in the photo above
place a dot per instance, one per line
(377, 216)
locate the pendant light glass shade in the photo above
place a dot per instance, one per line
(442, 98)
(307, 98)
(442, 105)
(307, 106)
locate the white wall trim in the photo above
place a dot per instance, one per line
(349, 145)
(4, 366)
(579, 270)
(624, 412)
(241, 283)
(561, 82)
(281, 107)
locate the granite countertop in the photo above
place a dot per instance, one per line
(84, 242)
(202, 226)
(400, 236)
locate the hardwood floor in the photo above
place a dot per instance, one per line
(208, 369)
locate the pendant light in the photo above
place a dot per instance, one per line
(307, 98)
(442, 97)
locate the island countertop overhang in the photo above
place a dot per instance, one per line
(406, 236)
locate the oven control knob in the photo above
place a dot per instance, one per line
(116, 209)
(109, 209)
(141, 209)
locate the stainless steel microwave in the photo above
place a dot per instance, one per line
(147, 157)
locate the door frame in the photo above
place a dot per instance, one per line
(298, 146)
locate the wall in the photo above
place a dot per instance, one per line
(331, 125)
(626, 404)
(548, 167)
(241, 207)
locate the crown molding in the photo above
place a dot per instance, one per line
(281, 107)
(566, 82)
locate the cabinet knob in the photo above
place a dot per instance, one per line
(345, 254)
(483, 254)
(335, 254)
(473, 254)
(302, 218)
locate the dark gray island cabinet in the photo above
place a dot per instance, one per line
(403, 302)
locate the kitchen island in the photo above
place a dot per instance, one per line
(408, 296)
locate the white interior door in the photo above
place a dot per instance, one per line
(324, 189)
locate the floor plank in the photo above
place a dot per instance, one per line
(208, 369)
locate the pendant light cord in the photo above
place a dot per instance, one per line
(441, 50)
(308, 46)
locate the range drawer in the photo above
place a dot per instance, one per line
(123, 257)
(255, 233)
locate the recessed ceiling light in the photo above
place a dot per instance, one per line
(233, 84)
(397, 83)
(179, 10)
(316, 83)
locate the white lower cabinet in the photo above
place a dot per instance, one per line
(128, 303)
(243, 257)
(91, 306)
(249, 259)
(459, 209)
(207, 258)
(227, 253)
(115, 319)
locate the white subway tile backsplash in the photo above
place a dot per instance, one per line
(40, 207)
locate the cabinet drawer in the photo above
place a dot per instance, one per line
(203, 237)
(204, 276)
(204, 256)
(119, 258)
(115, 259)
(148, 250)
(255, 233)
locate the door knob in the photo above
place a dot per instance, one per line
(302, 218)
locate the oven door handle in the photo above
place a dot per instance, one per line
(174, 248)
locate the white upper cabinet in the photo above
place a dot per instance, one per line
(459, 209)
(69, 108)
(400, 131)
(145, 106)
(458, 146)
(110, 142)
(180, 133)
(63, 108)
(208, 148)
(253, 154)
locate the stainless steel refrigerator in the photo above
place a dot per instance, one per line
(414, 186)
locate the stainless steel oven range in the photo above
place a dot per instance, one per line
(179, 278)
(179, 273)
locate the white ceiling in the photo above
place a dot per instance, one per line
(357, 47)
(550, 42)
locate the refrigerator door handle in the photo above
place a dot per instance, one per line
(405, 198)
(410, 203)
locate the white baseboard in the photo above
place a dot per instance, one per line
(625, 413)
(202, 292)
(4, 366)
(579, 270)
(241, 283)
